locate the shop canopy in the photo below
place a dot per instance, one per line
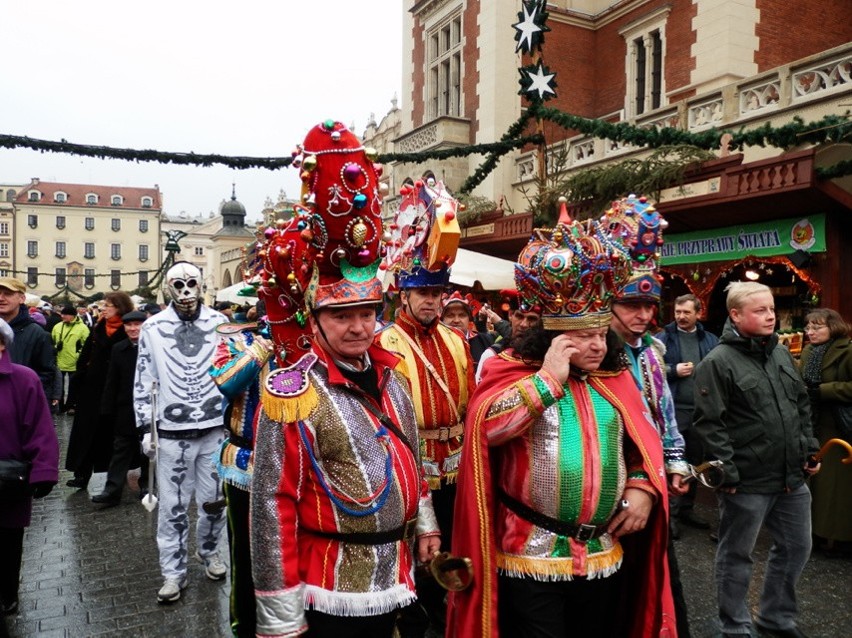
(231, 294)
(469, 267)
(492, 273)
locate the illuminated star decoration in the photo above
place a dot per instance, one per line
(537, 82)
(530, 28)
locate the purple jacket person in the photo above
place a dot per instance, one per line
(26, 434)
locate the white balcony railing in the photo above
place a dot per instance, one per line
(821, 77)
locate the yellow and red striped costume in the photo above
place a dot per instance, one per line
(449, 354)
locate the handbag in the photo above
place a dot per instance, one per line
(842, 413)
(14, 479)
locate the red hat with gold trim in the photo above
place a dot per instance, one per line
(283, 265)
(340, 188)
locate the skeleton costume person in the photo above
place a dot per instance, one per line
(338, 497)
(175, 350)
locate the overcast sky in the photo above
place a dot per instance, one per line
(244, 78)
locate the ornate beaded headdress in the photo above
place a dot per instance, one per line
(637, 227)
(424, 236)
(284, 264)
(340, 189)
(572, 272)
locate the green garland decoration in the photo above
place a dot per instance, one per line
(830, 129)
(841, 169)
(108, 152)
(490, 162)
(502, 147)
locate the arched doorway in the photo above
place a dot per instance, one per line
(794, 290)
(226, 279)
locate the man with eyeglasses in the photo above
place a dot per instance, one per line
(175, 350)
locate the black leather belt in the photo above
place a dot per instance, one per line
(403, 532)
(581, 533)
(185, 434)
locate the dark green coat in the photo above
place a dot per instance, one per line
(832, 487)
(752, 412)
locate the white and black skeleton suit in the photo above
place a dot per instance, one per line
(175, 349)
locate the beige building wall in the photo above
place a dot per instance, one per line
(8, 192)
(110, 244)
(725, 87)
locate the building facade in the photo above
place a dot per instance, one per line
(691, 65)
(8, 193)
(214, 244)
(80, 239)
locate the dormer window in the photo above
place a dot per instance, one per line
(91, 199)
(116, 200)
(147, 202)
(60, 197)
(34, 196)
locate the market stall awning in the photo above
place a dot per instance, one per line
(492, 273)
(469, 267)
(231, 295)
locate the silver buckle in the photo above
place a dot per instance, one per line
(585, 533)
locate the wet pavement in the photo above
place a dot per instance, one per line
(90, 571)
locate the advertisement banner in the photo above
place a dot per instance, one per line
(767, 239)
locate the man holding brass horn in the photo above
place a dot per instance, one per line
(562, 465)
(338, 494)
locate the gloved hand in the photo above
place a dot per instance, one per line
(41, 488)
(149, 448)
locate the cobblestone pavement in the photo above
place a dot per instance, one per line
(93, 572)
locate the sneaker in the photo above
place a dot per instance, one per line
(215, 568)
(170, 591)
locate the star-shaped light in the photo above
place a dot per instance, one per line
(530, 28)
(537, 82)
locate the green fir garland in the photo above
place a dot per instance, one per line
(830, 129)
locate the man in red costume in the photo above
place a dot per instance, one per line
(338, 495)
(562, 466)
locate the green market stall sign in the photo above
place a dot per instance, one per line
(779, 237)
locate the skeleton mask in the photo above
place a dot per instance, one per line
(184, 281)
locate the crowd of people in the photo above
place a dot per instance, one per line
(455, 470)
